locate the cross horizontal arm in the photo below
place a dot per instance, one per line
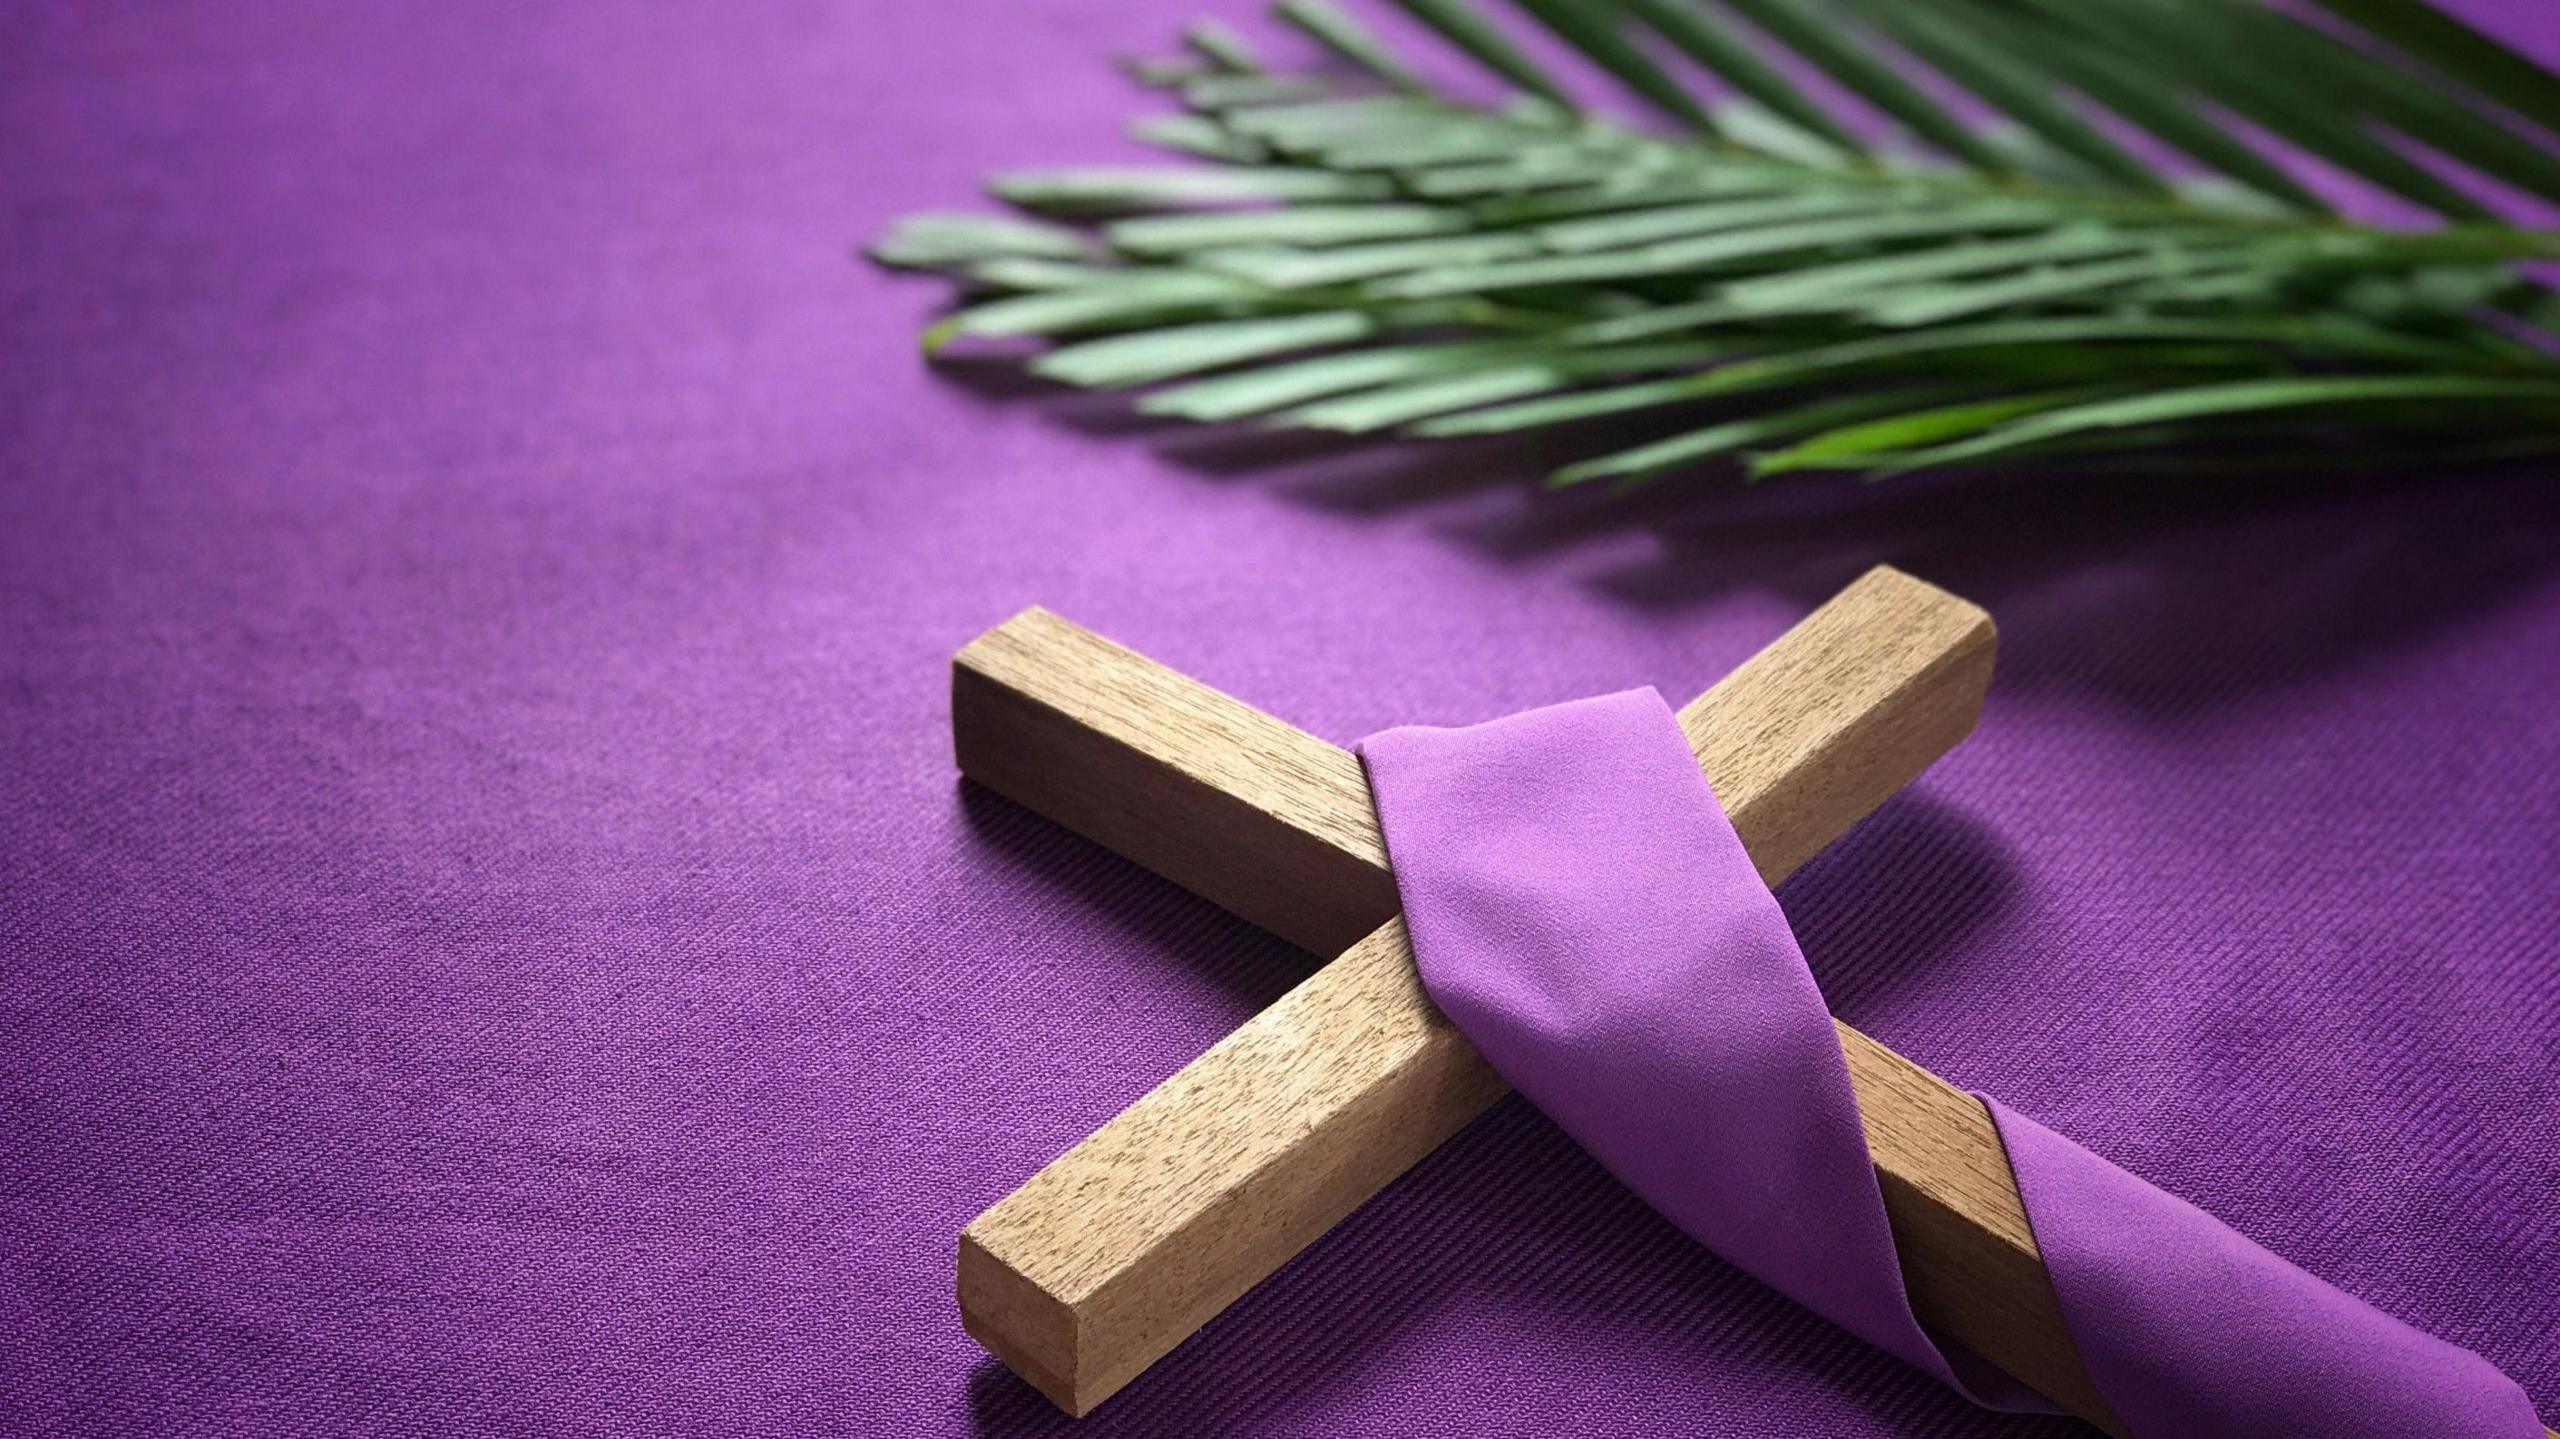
(1124, 1245)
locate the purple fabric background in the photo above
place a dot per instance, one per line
(490, 940)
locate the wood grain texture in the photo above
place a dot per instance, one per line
(1124, 1245)
(1268, 821)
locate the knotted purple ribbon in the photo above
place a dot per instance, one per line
(1583, 910)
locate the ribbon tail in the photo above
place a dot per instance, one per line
(2190, 1329)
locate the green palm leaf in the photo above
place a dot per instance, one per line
(1875, 284)
(1341, 32)
(2240, 397)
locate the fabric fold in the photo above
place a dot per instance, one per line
(2190, 1329)
(1583, 910)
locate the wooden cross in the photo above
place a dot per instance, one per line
(1140, 1234)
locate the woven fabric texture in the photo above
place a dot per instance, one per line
(491, 941)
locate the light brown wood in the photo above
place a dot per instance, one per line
(1120, 1248)
(1268, 821)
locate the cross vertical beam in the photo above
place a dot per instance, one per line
(1121, 1247)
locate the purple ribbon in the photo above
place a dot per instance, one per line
(1581, 908)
